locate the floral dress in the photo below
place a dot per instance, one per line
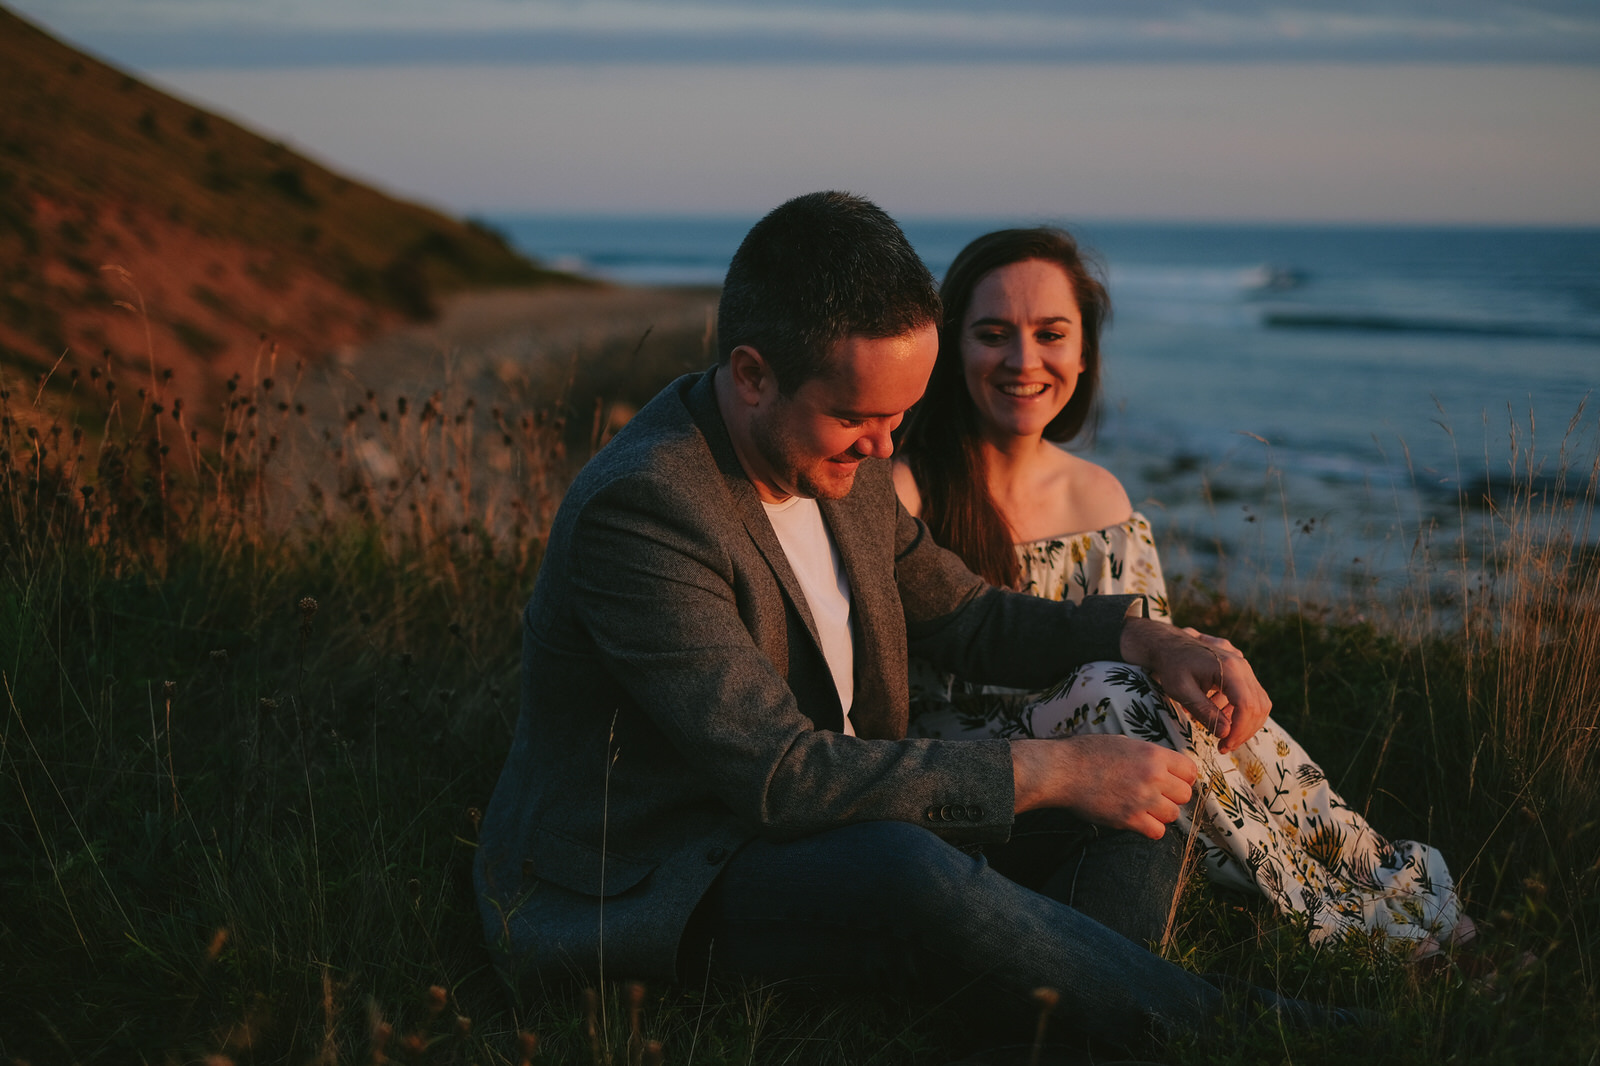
(1265, 818)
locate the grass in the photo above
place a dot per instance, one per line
(255, 697)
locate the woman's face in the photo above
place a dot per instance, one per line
(1021, 348)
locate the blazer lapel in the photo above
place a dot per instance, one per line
(880, 705)
(702, 402)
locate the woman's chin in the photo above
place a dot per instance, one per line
(1020, 424)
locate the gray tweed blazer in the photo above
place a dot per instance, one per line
(676, 703)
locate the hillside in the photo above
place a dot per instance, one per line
(139, 229)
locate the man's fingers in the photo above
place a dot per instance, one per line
(1148, 826)
(1216, 718)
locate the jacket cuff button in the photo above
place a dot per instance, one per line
(931, 814)
(975, 813)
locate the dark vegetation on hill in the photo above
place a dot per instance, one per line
(135, 223)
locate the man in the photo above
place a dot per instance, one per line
(711, 762)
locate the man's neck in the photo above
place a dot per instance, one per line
(736, 418)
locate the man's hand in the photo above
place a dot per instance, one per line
(1107, 779)
(1207, 675)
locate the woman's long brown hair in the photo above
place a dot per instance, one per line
(940, 437)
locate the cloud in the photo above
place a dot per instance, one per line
(172, 34)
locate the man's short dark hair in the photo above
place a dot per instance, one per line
(816, 270)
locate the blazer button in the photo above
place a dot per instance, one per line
(945, 814)
(975, 812)
(716, 855)
(932, 814)
(959, 813)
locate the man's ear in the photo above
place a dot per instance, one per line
(752, 378)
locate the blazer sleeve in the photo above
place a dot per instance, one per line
(960, 623)
(659, 593)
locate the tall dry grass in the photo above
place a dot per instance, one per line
(259, 678)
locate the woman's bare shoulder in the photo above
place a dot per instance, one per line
(1095, 497)
(905, 486)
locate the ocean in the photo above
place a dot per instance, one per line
(1287, 404)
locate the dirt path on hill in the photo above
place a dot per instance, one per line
(502, 370)
(536, 347)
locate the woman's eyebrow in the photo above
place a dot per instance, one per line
(1047, 320)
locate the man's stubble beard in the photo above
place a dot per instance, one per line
(777, 450)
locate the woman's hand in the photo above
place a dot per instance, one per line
(1207, 675)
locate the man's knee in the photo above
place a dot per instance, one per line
(911, 866)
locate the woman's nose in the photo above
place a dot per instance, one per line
(1023, 353)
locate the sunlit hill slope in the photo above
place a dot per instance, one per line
(140, 228)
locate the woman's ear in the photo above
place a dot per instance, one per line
(752, 378)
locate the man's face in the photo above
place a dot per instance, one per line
(810, 443)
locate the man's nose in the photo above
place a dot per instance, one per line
(878, 440)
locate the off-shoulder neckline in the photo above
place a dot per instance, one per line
(1134, 519)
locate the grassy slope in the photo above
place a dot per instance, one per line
(235, 822)
(223, 236)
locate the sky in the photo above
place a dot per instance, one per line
(1411, 111)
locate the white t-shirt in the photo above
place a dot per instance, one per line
(815, 562)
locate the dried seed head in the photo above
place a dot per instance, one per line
(528, 1046)
(437, 998)
(308, 607)
(1046, 997)
(218, 942)
(267, 704)
(219, 655)
(463, 1025)
(169, 688)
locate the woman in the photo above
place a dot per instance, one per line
(1018, 373)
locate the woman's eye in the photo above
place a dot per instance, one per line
(1049, 336)
(991, 336)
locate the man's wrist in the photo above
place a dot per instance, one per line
(1134, 643)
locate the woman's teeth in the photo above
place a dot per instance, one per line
(1022, 390)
